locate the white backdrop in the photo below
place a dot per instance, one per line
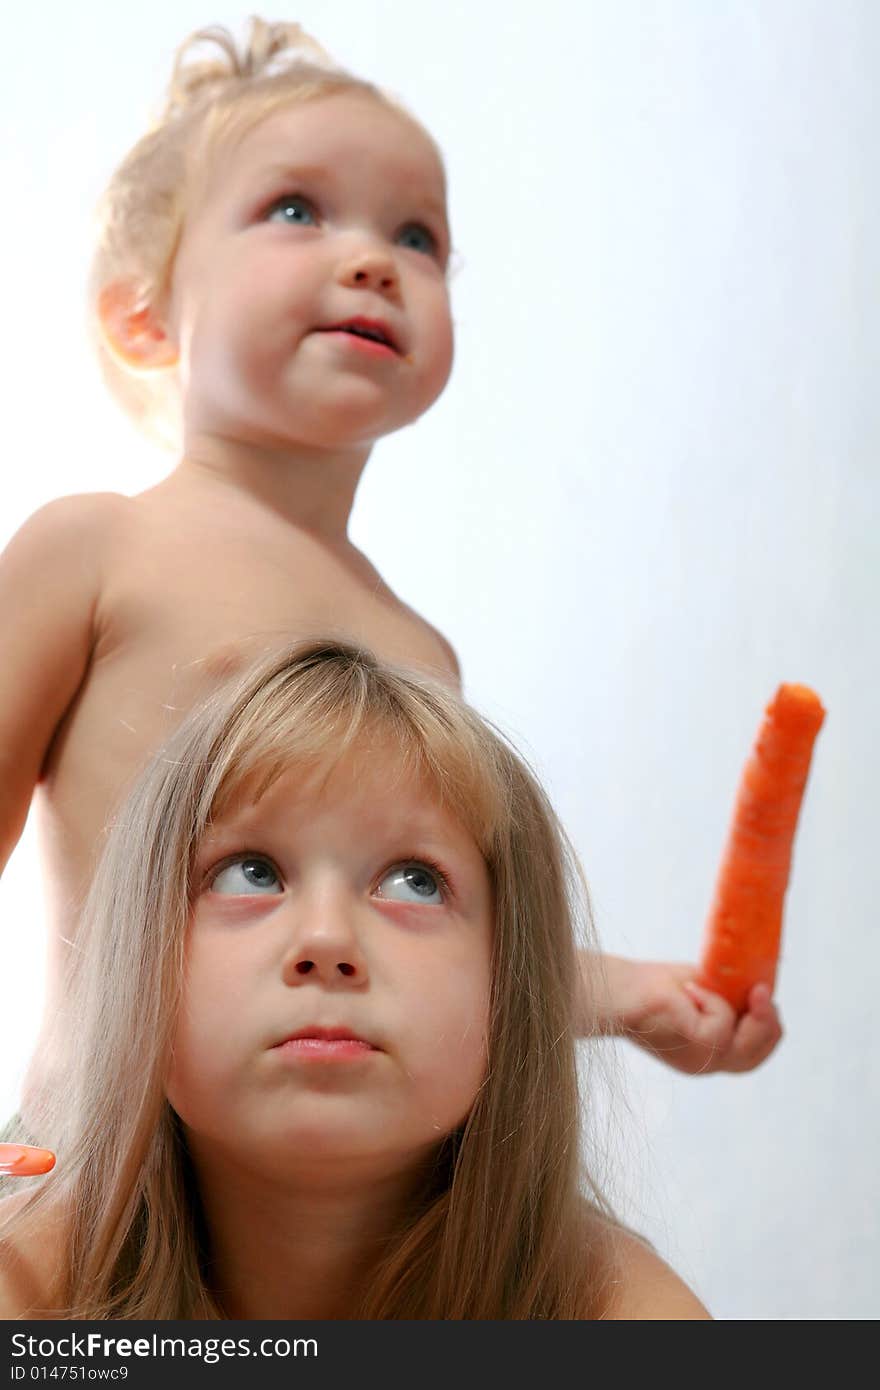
(648, 495)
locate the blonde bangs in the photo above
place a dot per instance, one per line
(324, 714)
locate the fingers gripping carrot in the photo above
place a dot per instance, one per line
(742, 937)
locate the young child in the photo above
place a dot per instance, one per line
(270, 287)
(323, 1060)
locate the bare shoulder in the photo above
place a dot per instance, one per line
(449, 669)
(426, 647)
(431, 653)
(30, 1260)
(84, 509)
(440, 659)
(71, 525)
(646, 1289)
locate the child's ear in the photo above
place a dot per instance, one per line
(134, 334)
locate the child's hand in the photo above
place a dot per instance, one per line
(664, 1010)
(23, 1161)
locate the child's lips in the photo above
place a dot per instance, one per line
(320, 1041)
(368, 345)
(366, 330)
(326, 1049)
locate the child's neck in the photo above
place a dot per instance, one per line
(302, 1252)
(312, 489)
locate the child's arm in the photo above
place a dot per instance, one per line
(662, 1008)
(49, 589)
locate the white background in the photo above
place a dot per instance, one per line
(648, 495)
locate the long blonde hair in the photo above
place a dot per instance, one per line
(210, 101)
(509, 1224)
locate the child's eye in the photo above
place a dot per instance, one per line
(419, 238)
(412, 883)
(293, 209)
(248, 875)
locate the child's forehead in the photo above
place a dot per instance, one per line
(329, 131)
(371, 783)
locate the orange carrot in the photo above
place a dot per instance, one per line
(742, 936)
(23, 1161)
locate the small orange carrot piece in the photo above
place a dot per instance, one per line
(24, 1161)
(743, 932)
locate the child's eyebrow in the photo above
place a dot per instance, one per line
(296, 171)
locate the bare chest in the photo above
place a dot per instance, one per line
(181, 615)
(200, 610)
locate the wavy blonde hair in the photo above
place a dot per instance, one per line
(509, 1223)
(141, 215)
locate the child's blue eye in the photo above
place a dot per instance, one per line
(412, 883)
(420, 239)
(290, 209)
(249, 875)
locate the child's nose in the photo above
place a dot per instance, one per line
(369, 269)
(324, 942)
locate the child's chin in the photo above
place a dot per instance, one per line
(313, 1155)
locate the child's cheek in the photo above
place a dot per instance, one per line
(203, 1053)
(200, 1072)
(455, 1052)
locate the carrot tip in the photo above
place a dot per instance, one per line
(797, 703)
